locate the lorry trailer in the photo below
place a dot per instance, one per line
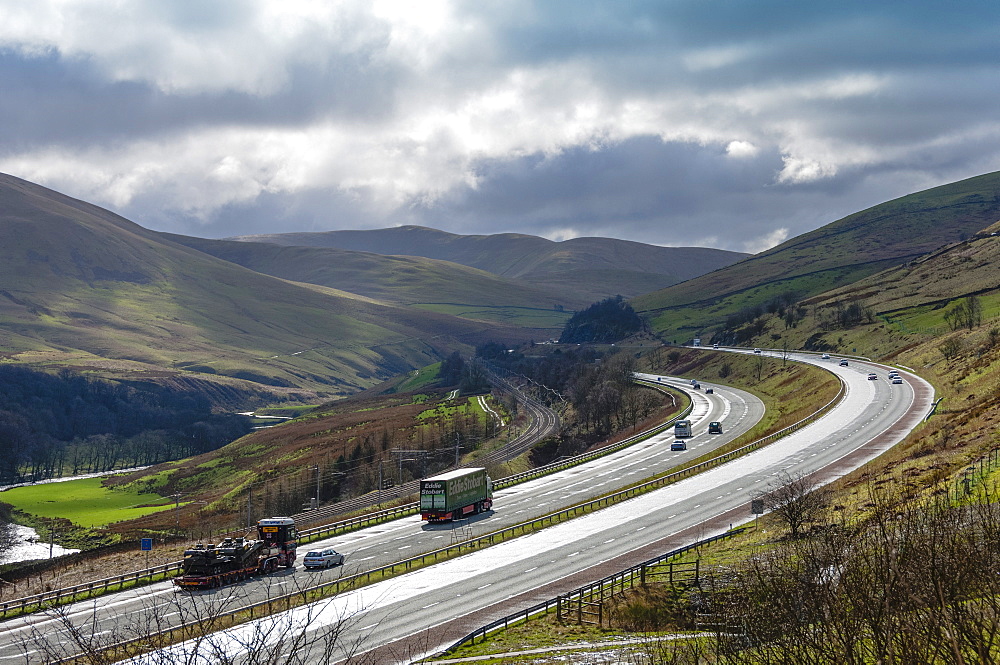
(237, 558)
(454, 494)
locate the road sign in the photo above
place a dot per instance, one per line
(146, 544)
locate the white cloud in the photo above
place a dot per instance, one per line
(558, 235)
(741, 149)
(800, 170)
(405, 109)
(772, 239)
(248, 46)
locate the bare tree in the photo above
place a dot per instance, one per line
(200, 633)
(759, 367)
(797, 500)
(8, 531)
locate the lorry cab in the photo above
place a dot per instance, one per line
(280, 538)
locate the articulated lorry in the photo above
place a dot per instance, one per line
(238, 558)
(454, 494)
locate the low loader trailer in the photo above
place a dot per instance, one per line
(236, 559)
(454, 494)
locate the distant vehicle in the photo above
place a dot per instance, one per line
(872, 376)
(715, 346)
(709, 390)
(715, 427)
(756, 350)
(696, 341)
(825, 356)
(843, 363)
(323, 558)
(897, 379)
(678, 445)
(696, 386)
(682, 428)
(694, 382)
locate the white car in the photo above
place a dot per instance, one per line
(897, 379)
(323, 558)
(756, 350)
(825, 356)
(678, 445)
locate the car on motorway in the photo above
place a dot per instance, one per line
(897, 379)
(696, 386)
(709, 390)
(323, 558)
(715, 427)
(694, 382)
(715, 346)
(825, 356)
(872, 376)
(843, 362)
(756, 350)
(678, 445)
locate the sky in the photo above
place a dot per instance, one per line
(729, 124)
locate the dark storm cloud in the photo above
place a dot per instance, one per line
(52, 100)
(733, 124)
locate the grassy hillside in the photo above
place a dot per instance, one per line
(901, 308)
(346, 439)
(902, 316)
(82, 287)
(587, 269)
(910, 535)
(428, 284)
(837, 254)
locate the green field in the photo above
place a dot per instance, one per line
(84, 502)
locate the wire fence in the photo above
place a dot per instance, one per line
(585, 604)
(973, 475)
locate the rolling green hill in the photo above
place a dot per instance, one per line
(428, 284)
(582, 269)
(835, 255)
(81, 287)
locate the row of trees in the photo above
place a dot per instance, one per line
(599, 386)
(607, 321)
(469, 377)
(59, 424)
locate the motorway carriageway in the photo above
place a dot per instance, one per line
(422, 611)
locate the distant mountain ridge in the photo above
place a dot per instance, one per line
(594, 268)
(397, 279)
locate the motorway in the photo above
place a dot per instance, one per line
(423, 610)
